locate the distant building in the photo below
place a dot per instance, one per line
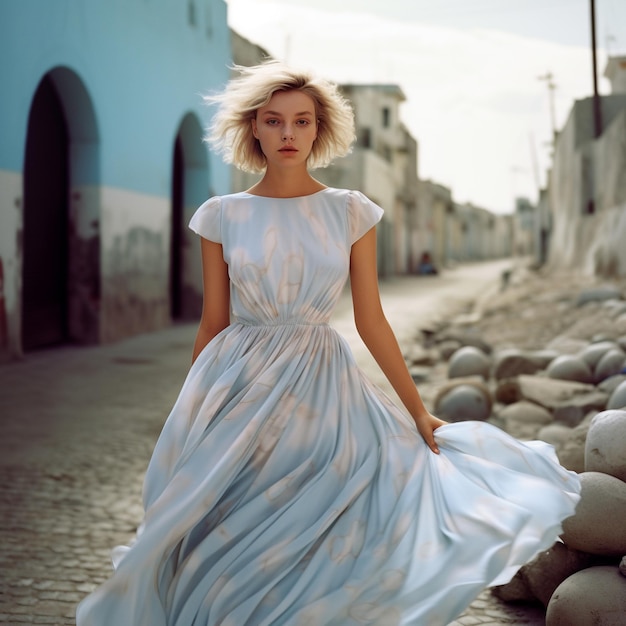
(102, 163)
(524, 231)
(383, 165)
(435, 210)
(587, 185)
(245, 53)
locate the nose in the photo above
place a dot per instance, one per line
(287, 134)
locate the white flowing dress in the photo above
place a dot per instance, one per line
(286, 489)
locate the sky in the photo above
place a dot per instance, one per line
(470, 69)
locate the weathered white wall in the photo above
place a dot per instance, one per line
(135, 244)
(583, 172)
(10, 255)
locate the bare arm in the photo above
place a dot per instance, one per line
(374, 329)
(216, 295)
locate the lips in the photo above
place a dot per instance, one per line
(288, 149)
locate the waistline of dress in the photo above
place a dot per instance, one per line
(274, 323)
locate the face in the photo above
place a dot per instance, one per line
(286, 128)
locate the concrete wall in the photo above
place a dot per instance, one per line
(128, 75)
(383, 165)
(587, 192)
(245, 53)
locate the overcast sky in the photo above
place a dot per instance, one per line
(469, 69)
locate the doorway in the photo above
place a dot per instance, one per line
(190, 187)
(45, 226)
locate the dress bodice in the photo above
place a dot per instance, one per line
(288, 258)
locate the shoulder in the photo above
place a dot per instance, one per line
(363, 214)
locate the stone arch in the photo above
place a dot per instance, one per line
(190, 176)
(60, 234)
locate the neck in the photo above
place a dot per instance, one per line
(286, 184)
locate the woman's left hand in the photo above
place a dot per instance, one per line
(427, 424)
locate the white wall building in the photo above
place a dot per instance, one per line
(587, 185)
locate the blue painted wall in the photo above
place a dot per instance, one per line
(143, 63)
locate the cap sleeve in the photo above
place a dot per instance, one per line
(362, 215)
(207, 220)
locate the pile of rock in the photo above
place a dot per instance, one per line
(570, 393)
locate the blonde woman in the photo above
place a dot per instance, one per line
(285, 488)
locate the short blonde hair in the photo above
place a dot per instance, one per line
(230, 132)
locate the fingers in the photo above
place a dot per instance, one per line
(433, 446)
(430, 441)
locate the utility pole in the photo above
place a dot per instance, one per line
(551, 87)
(597, 111)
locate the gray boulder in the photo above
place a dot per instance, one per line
(598, 525)
(610, 364)
(464, 402)
(594, 596)
(598, 294)
(524, 419)
(618, 397)
(573, 411)
(543, 357)
(572, 452)
(538, 579)
(570, 367)
(592, 353)
(547, 392)
(611, 384)
(469, 361)
(448, 348)
(605, 447)
(554, 434)
(466, 338)
(513, 362)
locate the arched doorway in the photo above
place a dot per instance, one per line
(45, 240)
(189, 190)
(60, 233)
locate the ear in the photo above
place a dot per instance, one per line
(255, 132)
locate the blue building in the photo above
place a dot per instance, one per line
(102, 163)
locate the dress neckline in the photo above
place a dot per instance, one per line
(309, 195)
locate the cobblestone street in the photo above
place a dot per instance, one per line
(77, 429)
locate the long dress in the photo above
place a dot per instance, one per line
(287, 489)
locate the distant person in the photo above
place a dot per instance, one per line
(285, 487)
(426, 267)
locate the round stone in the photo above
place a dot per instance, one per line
(618, 397)
(570, 367)
(469, 361)
(554, 434)
(513, 362)
(605, 447)
(524, 419)
(598, 294)
(596, 595)
(595, 351)
(464, 402)
(598, 526)
(610, 364)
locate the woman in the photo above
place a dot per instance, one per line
(285, 488)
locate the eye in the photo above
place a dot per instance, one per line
(271, 122)
(303, 122)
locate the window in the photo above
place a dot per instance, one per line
(364, 138)
(386, 117)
